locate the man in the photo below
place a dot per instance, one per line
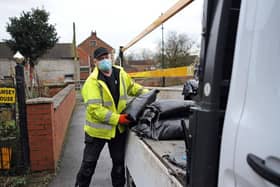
(106, 92)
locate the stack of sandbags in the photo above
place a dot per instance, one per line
(161, 120)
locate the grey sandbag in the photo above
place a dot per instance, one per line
(161, 120)
(170, 129)
(135, 108)
(172, 108)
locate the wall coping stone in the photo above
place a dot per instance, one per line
(39, 100)
(59, 97)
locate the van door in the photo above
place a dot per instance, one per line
(250, 155)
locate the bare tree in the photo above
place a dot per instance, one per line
(142, 54)
(176, 50)
(146, 54)
(132, 56)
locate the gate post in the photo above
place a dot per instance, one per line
(20, 92)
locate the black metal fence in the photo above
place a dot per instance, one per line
(10, 144)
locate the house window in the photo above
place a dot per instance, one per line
(84, 69)
(93, 43)
(68, 78)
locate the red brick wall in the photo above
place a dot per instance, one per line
(83, 57)
(62, 116)
(47, 127)
(53, 91)
(40, 120)
(84, 75)
(84, 61)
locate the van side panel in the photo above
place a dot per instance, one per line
(252, 116)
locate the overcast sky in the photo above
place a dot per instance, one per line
(115, 22)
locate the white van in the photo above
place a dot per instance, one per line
(235, 131)
(250, 152)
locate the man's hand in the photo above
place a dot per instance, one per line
(123, 120)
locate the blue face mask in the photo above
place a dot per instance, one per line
(105, 65)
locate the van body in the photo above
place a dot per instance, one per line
(234, 131)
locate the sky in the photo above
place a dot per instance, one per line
(116, 22)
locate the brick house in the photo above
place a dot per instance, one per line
(84, 60)
(85, 52)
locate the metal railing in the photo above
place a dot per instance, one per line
(10, 145)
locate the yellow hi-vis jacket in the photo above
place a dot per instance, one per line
(102, 114)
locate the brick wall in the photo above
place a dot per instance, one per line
(84, 63)
(62, 116)
(48, 120)
(84, 75)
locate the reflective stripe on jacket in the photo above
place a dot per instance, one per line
(102, 115)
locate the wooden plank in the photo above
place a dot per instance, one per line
(164, 17)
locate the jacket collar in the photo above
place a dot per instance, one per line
(94, 74)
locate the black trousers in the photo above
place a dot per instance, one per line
(93, 147)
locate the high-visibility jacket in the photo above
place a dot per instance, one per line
(102, 114)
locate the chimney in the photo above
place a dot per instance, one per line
(93, 33)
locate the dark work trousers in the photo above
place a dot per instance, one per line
(93, 147)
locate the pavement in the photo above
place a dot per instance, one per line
(72, 155)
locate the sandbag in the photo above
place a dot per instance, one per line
(135, 108)
(161, 120)
(172, 108)
(170, 129)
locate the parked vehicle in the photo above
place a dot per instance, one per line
(190, 89)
